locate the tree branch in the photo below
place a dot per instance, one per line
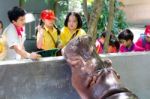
(86, 14)
(94, 17)
(110, 24)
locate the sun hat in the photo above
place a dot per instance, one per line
(48, 14)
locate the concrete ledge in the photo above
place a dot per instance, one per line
(49, 78)
(134, 69)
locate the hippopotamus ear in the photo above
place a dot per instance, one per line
(107, 62)
(86, 40)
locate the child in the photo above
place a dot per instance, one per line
(144, 41)
(113, 44)
(100, 43)
(126, 40)
(15, 36)
(72, 28)
(47, 37)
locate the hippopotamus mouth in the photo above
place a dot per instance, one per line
(92, 77)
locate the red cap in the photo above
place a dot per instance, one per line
(147, 30)
(48, 14)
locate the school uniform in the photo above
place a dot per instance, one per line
(132, 48)
(99, 47)
(13, 37)
(50, 37)
(142, 43)
(66, 35)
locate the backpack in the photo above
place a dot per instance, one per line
(143, 40)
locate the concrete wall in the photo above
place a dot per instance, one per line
(46, 79)
(134, 69)
(137, 11)
(49, 78)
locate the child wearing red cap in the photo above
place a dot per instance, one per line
(47, 36)
(144, 40)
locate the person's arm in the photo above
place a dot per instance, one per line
(121, 49)
(25, 54)
(139, 43)
(40, 38)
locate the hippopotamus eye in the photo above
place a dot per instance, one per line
(79, 40)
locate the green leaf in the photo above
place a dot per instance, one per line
(46, 1)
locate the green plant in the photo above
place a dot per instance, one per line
(119, 22)
(63, 4)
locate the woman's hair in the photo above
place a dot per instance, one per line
(77, 17)
(103, 34)
(113, 41)
(15, 13)
(126, 35)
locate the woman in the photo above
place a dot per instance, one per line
(72, 28)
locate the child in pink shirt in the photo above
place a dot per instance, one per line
(144, 40)
(126, 39)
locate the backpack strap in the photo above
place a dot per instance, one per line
(58, 31)
(143, 40)
(51, 37)
(74, 35)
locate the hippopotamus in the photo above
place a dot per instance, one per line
(92, 77)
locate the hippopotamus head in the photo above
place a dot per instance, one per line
(92, 77)
(81, 53)
(84, 61)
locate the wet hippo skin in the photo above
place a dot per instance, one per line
(92, 77)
